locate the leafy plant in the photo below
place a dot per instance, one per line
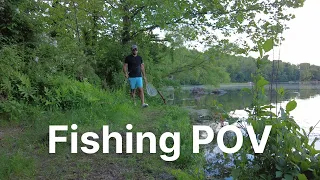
(288, 153)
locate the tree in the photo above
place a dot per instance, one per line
(305, 74)
(85, 29)
(126, 20)
(193, 18)
(315, 71)
(15, 26)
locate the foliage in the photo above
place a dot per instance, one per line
(88, 40)
(56, 55)
(15, 26)
(288, 153)
(177, 120)
(189, 67)
(16, 166)
(240, 69)
(90, 111)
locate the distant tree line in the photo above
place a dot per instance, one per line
(231, 68)
(240, 70)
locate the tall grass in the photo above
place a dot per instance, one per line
(72, 102)
(16, 166)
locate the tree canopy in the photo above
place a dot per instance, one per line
(88, 39)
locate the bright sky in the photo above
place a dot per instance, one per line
(302, 42)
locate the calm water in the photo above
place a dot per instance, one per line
(235, 101)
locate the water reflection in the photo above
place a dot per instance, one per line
(235, 101)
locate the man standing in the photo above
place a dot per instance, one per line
(133, 69)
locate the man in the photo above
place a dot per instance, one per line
(133, 69)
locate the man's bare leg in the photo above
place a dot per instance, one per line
(141, 94)
(133, 95)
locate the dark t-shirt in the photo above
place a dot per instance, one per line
(134, 65)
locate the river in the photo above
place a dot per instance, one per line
(234, 101)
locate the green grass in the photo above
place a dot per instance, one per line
(15, 166)
(25, 153)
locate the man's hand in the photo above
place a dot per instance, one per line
(125, 70)
(145, 79)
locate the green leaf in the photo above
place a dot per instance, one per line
(267, 107)
(265, 26)
(268, 45)
(246, 90)
(262, 82)
(278, 167)
(281, 91)
(302, 177)
(288, 177)
(235, 173)
(304, 165)
(304, 132)
(291, 106)
(278, 174)
(240, 17)
(314, 141)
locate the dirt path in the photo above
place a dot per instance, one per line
(64, 165)
(10, 132)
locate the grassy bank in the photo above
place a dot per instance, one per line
(24, 139)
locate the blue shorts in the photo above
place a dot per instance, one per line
(135, 82)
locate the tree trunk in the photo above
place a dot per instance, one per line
(76, 21)
(126, 37)
(94, 28)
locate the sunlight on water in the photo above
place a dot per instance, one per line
(306, 114)
(234, 101)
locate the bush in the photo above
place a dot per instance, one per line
(16, 166)
(177, 120)
(287, 153)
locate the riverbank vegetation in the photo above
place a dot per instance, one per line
(289, 154)
(61, 64)
(24, 142)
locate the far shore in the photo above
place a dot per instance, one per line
(238, 86)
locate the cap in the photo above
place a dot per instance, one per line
(134, 47)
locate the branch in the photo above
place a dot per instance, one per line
(186, 67)
(180, 20)
(110, 4)
(160, 40)
(136, 11)
(155, 26)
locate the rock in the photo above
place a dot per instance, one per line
(202, 91)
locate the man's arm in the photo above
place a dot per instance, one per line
(143, 72)
(125, 70)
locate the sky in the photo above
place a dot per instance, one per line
(302, 42)
(302, 39)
